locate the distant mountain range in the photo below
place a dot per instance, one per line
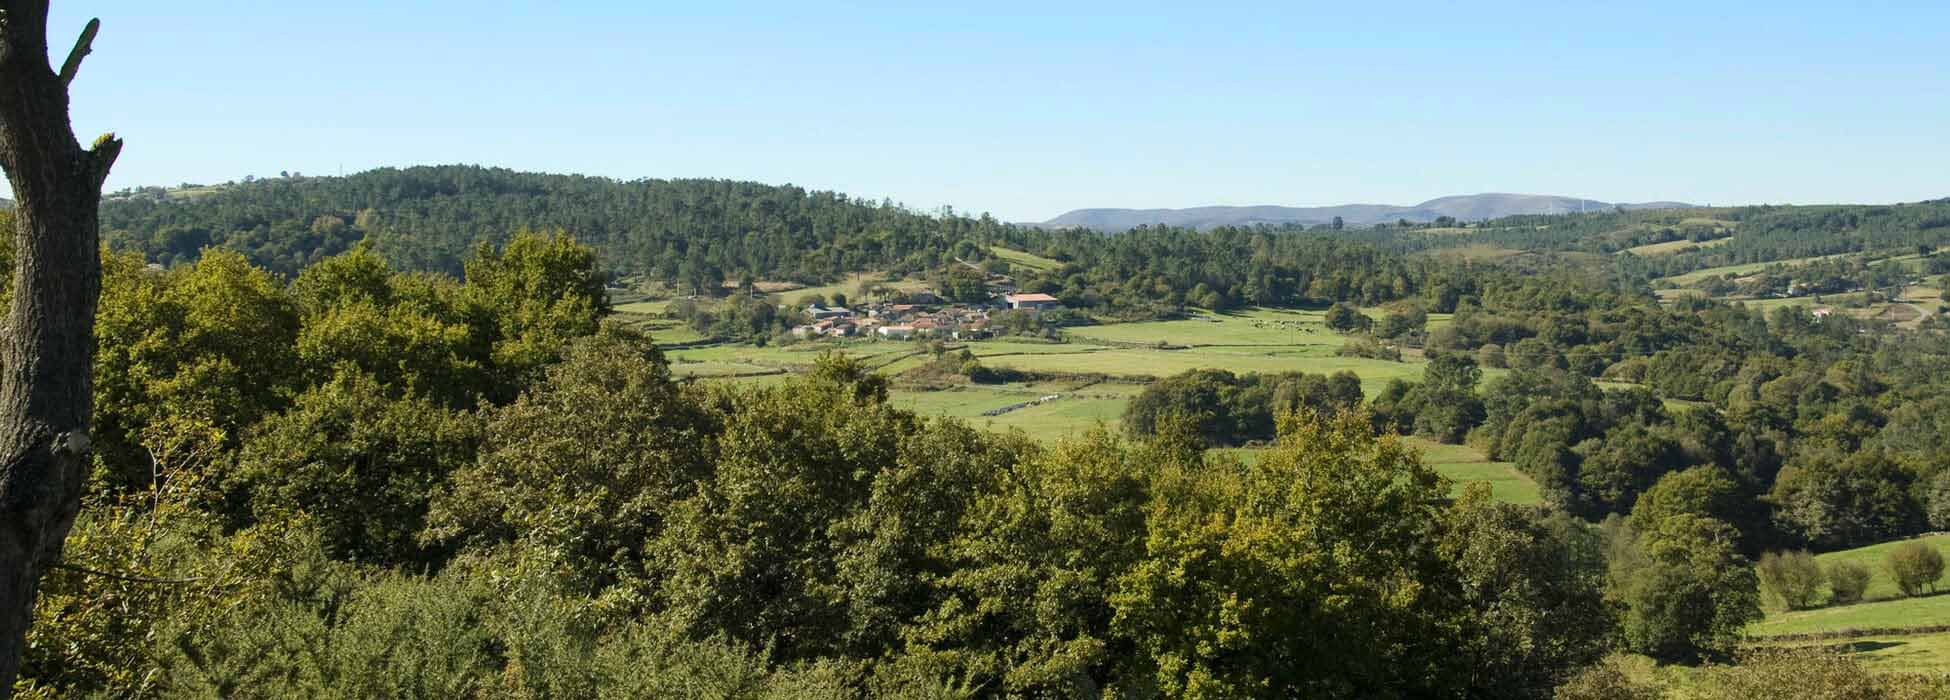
(1473, 207)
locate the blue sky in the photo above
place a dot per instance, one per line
(1030, 109)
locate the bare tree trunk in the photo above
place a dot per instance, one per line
(47, 345)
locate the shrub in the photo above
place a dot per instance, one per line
(1846, 582)
(1791, 577)
(1915, 566)
(1806, 673)
(1608, 680)
(1369, 347)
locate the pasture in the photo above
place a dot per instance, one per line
(1883, 608)
(1096, 374)
(1023, 260)
(1674, 247)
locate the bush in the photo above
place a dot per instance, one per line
(1846, 582)
(1369, 347)
(1791, 577)
(1915, 566)
(1609, 680)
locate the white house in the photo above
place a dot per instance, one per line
(1030, 301)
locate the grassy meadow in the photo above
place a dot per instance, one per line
(1883, 607)
(1095, 375)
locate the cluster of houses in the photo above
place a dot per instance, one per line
(916, 320)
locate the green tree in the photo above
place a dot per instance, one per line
(1686, 589)
(1244, 568)
(1445, 402)
(1915, 566)
(1535, 590)
(532, 297)
(1347, 319)
(358, 466)
(1847, 581)
(584, 466)
(1791, 577)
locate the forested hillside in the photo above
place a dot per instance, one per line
(1727, 235)
(430, 218)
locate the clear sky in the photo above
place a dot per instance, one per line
(1026, 110)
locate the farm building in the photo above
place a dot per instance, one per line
(1030, 301)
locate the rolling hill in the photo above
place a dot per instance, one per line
(1475, 207)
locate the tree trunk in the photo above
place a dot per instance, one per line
(47, 344)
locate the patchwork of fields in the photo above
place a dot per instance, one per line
(1094, 376)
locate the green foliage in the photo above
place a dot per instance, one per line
(1835, 500)
(210, 342)
(1915, 566)
(541, 291)
(584, 466)
(1243, 569)
(1347, 319)
(1443, 406)
(1847, 581)
(1794, 579)
(1535, 589)
(1227, 409)
(363, 466)
(1687, 590)
(1704, 491)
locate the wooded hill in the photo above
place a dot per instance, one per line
(694, 231)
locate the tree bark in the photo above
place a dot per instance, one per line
(47, 344)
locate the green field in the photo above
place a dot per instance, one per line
(1741, 269)
(1132, 363)
(1883, 606)
(1872, 556)
(1258, 340)
(1896, 653)
(1899, 612)
(1028, 261)
(719, 369)
(1678, 246)
(1263, 327)
(653, 307)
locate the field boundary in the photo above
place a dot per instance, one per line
(1850, 633)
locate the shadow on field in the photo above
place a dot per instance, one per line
(1866, 646)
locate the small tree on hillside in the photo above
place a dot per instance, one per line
(1915, 566)
(1847, 581)
(1346, 319)
(1791, 577)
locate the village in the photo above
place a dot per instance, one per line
(918, 315)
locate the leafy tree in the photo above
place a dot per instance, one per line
(1832, 500)
(1687, 591)
(1446, 402)
(1347, 319)
(539, 292)
(211, 342)
(1535, 589)
(1847, 581)
(1026, 606)
(1241, 566)
(1791, 577)
(358, 466)
(1402, 324)
(1228, 409)
(1915, 566)
(583, 466)
(1704, 491)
